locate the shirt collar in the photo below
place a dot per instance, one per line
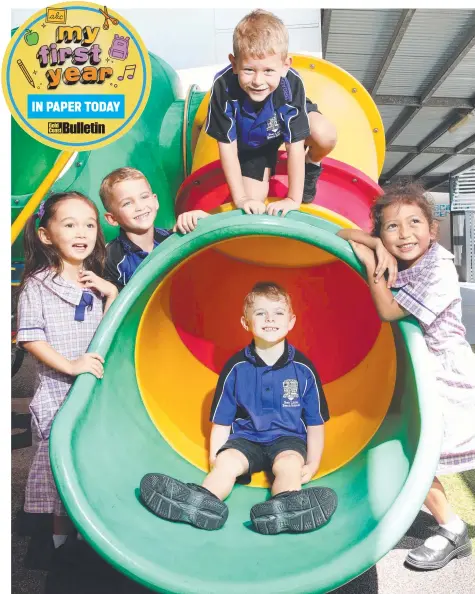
(132, 247)
(61, 287)
(286, 357)
(434, 253)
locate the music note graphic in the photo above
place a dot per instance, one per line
(130, 68)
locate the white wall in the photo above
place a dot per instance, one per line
(201, 39)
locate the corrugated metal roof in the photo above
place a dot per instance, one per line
(419, 163)
(451, 139)
(461, 82)
(414, 55)
(359, 39)
(454, 163)
(428, 43)
(390, 113)
(391, 160)
(424, 122)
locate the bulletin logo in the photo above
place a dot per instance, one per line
(76, 76)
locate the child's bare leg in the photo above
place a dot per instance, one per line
(229, 465)
(287, 469)
(437, 504)
(256, 189)
(435, 552)
(322, 139)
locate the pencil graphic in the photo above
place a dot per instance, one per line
(26, 73)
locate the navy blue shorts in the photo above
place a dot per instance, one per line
(261, 456)
(254, 162)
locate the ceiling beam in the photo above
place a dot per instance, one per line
(398, 34)
(458, 150)
(432, 166)
(463, 167)
(430, 183)
(434, 181)
(326, 19)
(414, 101)
(426, 142)
(435, 150)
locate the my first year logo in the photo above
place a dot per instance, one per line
(76, 76)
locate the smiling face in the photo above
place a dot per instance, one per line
(269, 320)
(132, 205)
(260, 77)
(406, 233)
(72, 230)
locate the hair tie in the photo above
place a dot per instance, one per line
(41, 211)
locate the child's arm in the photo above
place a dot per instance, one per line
(315, 440)
(92, 281)
(219, 436)
(296, 175)
(44, 352)
(385, 260)
(188, 221)
(387, 307)
(232, 172)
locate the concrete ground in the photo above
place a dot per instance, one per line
(94, 576)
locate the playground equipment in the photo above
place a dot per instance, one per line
(166, 337)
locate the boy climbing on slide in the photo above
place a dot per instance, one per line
(258, 102)
(268, 413)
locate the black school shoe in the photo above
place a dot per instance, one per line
(173, 500)
(458, 545)
(295, 511)
(312, 173)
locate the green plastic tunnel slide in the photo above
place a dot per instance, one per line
(104, 440)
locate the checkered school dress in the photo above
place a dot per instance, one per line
(66, 316)
(430, 291)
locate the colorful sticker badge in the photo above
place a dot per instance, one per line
(76, 76)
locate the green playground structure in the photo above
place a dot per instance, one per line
(167, 334)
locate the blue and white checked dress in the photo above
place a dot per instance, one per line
(50, 309)
(430, 291)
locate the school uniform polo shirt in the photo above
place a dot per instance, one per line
(232, 114)
(263, 403)
(124, 257)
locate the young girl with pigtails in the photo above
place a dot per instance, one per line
(62, 300)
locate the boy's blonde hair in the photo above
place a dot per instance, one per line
(115, 177)
(259, 34)
(267, 289)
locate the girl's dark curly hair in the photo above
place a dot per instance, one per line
(39, 256)
(403, 192)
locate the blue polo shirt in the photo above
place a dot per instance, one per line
(263, 403)
(123, 256)
(232, 115)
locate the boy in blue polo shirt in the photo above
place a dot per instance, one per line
(258, 102)
(131, 205)
(268, 413)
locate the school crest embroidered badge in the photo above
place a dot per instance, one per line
(291, 393)
(273, 128)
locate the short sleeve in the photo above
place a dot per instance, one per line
(110, 273)
(431, 293)
(315, 408)
(296, 125)
(30, 323)
(224, 407)
(221, 123)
